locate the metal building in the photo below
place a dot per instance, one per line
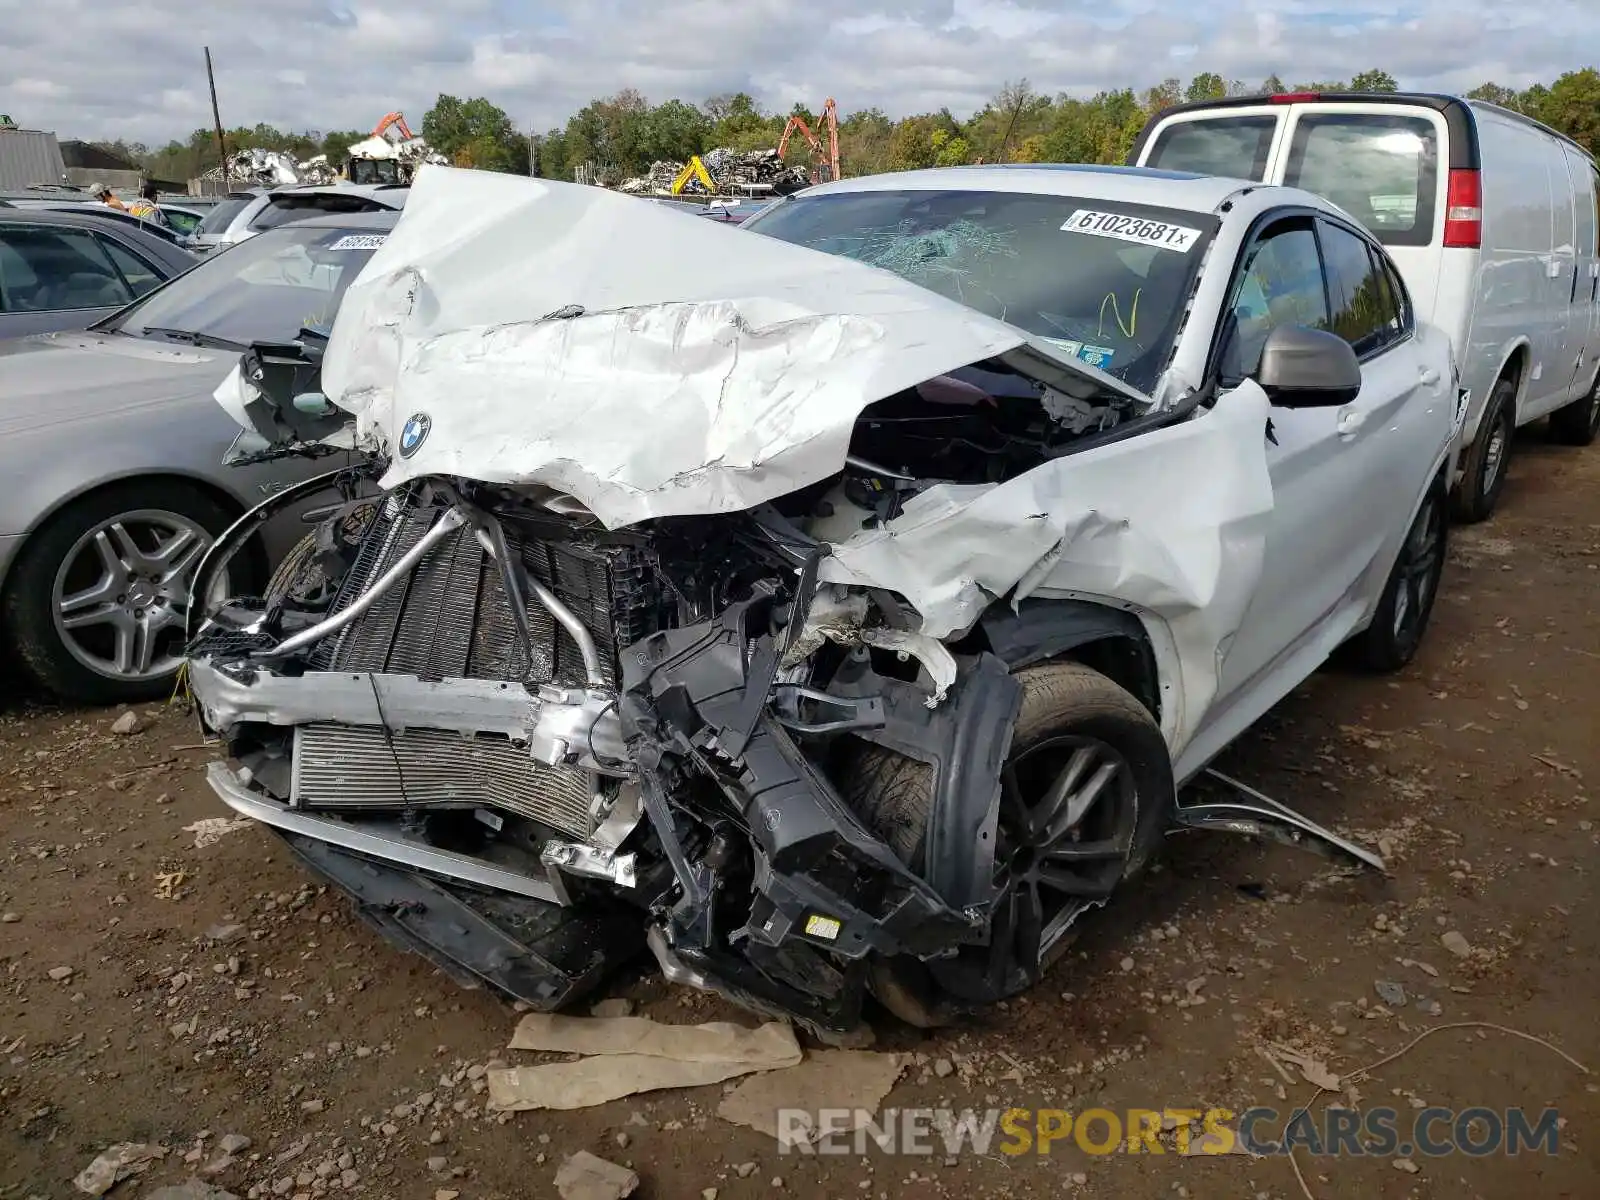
(28, 157)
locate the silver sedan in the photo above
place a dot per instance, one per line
(113, 450)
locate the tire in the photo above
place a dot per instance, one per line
(71, 555)
(300, 578)
(1067, 708)
(1579, 422)
(1487, 460)
(1391, 640)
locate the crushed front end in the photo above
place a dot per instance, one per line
(701, 625)
(529, 746)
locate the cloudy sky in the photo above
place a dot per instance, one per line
(95, 69)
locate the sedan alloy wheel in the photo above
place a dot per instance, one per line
(121, 594)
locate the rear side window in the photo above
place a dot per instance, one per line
(282, 210)
(1381, 169)
(140, 276)
(53, 270)
(1365, 311)
(222, 214)
(1233, 146)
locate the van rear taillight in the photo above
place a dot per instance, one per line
(1463, 212)
(1295, 98)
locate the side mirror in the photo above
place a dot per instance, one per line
(1308, 368)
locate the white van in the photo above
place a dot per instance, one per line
(1491, 217)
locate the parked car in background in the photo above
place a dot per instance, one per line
(1490, 216)
(871, 622)
(67, 268)
(244, 214)
(183, 218)
(112, 449)
(95, 208)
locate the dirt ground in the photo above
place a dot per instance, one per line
(155, 992)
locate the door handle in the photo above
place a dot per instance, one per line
(1428, 376)
(1350, 422)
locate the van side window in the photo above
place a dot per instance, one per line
(1233, 146)
(1364, 310)
(1280, 283)
(1382, 170)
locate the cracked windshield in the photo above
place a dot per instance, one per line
(1101, 282)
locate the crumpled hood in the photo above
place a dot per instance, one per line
(61, 378)
(648, 364)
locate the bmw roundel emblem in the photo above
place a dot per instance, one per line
(414, 433)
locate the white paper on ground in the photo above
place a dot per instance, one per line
(716, 1041)
(629, 1055)
(852, 1080)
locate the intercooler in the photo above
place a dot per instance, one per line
(352, 767)
(451, 618)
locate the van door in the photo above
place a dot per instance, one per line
(1382, 164)
(1564, 337)
(1583, 318)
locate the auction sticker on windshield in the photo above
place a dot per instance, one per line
(359, 241)
(1139, 230)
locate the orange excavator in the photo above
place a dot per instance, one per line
(824, 162)
(380, 159)
(398, 122)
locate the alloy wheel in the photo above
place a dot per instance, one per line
(122, 593)
(1418, 571)
(1068, 812)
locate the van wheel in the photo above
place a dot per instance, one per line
(1086, 795)
(1484, 473)
(1579, 422)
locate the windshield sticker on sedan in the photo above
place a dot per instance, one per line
(359, 241)
(1098, 357)
(1161, 234)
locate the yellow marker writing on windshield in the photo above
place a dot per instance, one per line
(1116, 311)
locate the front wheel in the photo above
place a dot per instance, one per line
(1483, 471)
(1086, 795)
(98, 598)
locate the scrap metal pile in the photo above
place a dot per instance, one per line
(409, 152)
(317, 170)
(731, 171)
(258, 168)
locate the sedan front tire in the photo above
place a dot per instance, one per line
(96, 602)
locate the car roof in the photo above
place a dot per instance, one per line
(1135, 185)
(69, 215)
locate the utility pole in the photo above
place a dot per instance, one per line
(216, 116)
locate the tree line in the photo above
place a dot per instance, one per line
(615, 137)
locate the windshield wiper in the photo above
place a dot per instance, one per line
(210, 341)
